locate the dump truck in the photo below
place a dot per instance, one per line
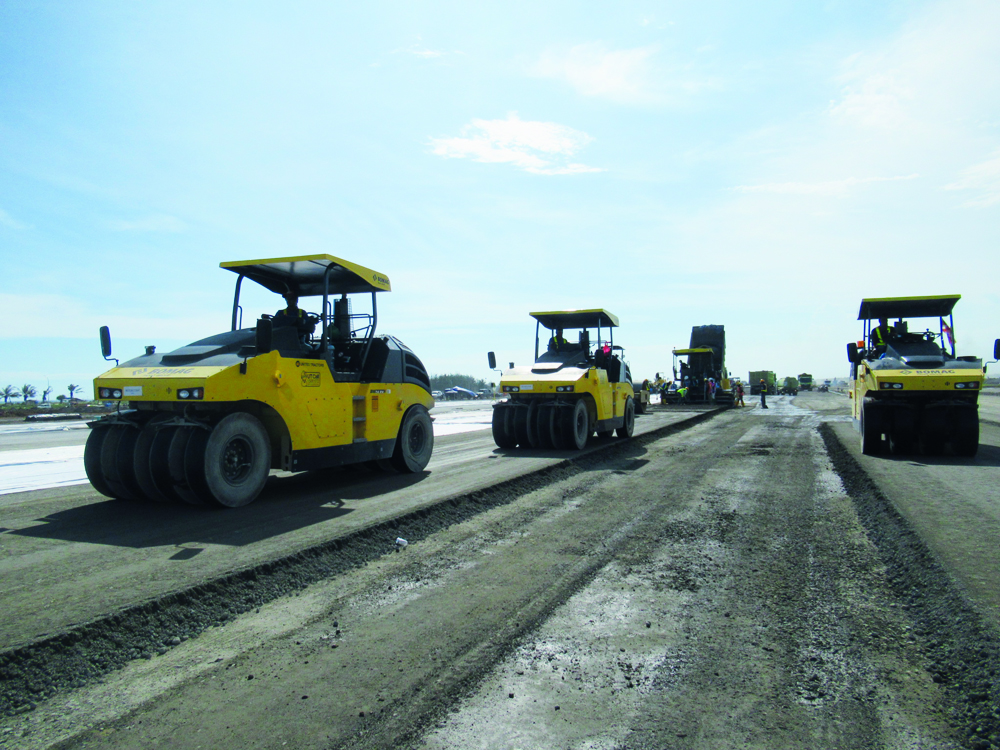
(789, 386)
(206, 423)
(805, 381)
(703, 360)
(769, 378)
(910, 392)
(573, 389)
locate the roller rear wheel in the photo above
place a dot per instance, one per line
(415, 441)
(531, 425)
(237, 460)
(966, 439)
(576, 427)
(117, 456)
(141, 460)
(626, 430)
(159, 464)
(871, 431)
(503, 427)
(92, 460)
(175, 462)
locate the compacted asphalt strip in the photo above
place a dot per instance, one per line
(735, 581)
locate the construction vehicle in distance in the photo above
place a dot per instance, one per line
(789, 387)
(207, 422)
(770, 381)
(805, 381)
(641, 392)
(909, 390)
(706, 360)
(825, 387)
(573, 389)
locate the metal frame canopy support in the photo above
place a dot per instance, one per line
(573, 319)
(935, 306)
(308, 275)
(908, 307)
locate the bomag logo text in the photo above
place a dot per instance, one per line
(380, 279)
(163, 371)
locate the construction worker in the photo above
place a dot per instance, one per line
(557, 341)
(293, 315)
(739, 394)
(763, 394)
(879, 336)
(682, 393)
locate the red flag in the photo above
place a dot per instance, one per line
(949, 334)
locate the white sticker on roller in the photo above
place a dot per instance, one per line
(132, 390)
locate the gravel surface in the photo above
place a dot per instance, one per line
(738, 583)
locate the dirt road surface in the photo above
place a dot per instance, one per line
(744, 579)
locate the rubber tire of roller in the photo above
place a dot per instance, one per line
(503, 433)
(415, 441)
(159, 465)
(92, 460)
(626, 430)
(237, 460)
(141, 465)
(543, 427)
(117, 453)
(531, 424)
(576, 427)
(521, 425)
(175, 460)
(871, 431)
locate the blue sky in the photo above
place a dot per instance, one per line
(760, 166)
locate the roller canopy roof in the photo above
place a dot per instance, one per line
(702, 350)
(303, 275)
(908, 307)
(576, 319)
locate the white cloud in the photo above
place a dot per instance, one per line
(594, 70)
(77, 319)
(831, 187)
(9, 221)
(982, 178)
(154, 223)
(536, 147)
(420, 51)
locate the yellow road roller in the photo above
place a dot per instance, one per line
(206, 423)
(910, 391)
(578, 385)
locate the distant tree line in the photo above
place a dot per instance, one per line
(440, 382)
(28, 391)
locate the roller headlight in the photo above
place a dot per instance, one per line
(191, 394)
(511, 389)
(971, 385)
(564, 388)
(890, 386)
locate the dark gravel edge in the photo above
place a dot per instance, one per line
(84, 654)
(962, 648)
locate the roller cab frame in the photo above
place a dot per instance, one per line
(207, 422)
(913, 393)
(579, 384)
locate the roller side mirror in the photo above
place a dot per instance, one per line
(853, 353)
(493, 359)
(996, 349)
(106, 341)
(263, 337)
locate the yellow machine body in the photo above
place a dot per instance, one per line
(298, 391)
(909, 390)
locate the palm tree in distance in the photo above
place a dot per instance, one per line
(27, 391)
(46, 392)
(72, 389)
(8, 393)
